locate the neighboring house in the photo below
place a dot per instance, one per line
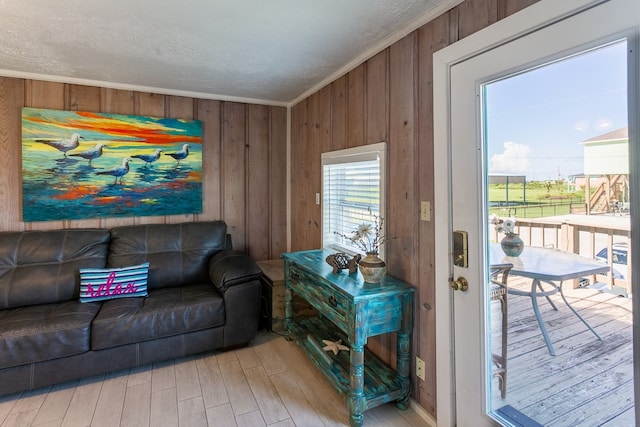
(606, 157)
(607, 154)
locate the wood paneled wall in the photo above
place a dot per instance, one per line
(244, 158)
(388, 98)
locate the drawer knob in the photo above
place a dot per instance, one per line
(333, 302)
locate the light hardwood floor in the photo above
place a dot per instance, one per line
(269, 383)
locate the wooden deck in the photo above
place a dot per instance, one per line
(589, 382)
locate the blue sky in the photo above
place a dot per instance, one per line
(537, 119)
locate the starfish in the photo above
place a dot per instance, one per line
(334, 346)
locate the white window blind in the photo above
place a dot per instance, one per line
(352, 192)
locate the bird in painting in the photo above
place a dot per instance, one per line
(149, 158)
(181, 154)
(90, 154)
(63, 145)
(117, 172)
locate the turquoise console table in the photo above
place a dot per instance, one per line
(351, 310)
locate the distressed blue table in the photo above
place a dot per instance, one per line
(351, 310)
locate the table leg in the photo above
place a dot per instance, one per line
(403, 349)
(288, 312)
(402, 367)
(355, 399)
(546, 295)
(536, 310)
(578, 315)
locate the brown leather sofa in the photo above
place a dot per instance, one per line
(202, 296)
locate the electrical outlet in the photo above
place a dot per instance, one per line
(420, 368)
(425, 211)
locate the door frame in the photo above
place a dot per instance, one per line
(528, 20)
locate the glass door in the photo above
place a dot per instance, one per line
(555, 318)
(557, 180)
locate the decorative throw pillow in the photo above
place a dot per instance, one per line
(97, 284)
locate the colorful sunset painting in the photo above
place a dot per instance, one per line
(79, 165)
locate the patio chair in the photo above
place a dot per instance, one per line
(498, 275)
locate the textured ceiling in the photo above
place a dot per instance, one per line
(268, 50)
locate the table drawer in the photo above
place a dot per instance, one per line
(325, 299)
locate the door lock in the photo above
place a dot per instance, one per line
(460, 284)
(460, 249)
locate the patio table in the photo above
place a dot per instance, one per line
(550, 266)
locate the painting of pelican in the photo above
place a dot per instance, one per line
(90, 154)
(79, 165)
(180, 155)
(63, 145)
(118, 171)
(149, 158)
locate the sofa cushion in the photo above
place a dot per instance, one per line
(178, 253)
(41, 267)
(43, 332)
(97, 284)
(165, 312)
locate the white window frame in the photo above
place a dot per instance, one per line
(350, 155)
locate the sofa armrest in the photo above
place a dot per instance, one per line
(229, 268)
(237, 277)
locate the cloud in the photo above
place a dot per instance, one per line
(603, 123)
(514, 159)
(600, 124)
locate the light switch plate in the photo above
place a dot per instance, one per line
(425, 211)
(420, 368)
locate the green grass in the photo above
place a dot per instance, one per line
(537, 191)
(542, 199)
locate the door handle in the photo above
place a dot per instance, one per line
(460, 284)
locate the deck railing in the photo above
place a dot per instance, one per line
(585, 235)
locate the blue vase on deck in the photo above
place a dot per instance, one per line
(512, 245)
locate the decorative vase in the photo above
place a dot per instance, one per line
(372, 268)
(512, 245)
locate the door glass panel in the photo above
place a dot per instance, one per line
(557, 178)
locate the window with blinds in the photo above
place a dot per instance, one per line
(353, 183)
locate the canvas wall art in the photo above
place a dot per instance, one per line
(79, 165)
